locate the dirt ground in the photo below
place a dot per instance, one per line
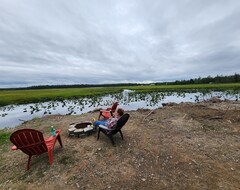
(179, 146)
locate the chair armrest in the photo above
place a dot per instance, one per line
(106, 128)
(58, 131)
(51, 138)
(105, 111)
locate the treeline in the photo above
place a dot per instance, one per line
(208, 80)
(80, 86)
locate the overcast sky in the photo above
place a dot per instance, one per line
(47, 42)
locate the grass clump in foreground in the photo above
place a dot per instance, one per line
(4, 137)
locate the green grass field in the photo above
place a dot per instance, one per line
(8, 97)
(226, 86)
(4, 137)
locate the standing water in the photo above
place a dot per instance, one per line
(13, 115)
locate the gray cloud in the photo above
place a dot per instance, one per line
(73, 42)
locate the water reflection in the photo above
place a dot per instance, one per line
(11, 116)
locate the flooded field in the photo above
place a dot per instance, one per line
(13, 115)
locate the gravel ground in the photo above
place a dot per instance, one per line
(179, 146)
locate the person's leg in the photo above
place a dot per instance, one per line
(97, 123)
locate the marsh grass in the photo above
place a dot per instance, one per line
(33, 96)
(186, 88)
(8, 97)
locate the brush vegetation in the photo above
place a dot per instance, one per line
(187, 87)
(8, 97)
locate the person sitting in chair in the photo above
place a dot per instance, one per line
(111, 122)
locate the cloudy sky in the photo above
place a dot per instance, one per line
(46, 42)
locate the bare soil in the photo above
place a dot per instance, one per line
(180, 146)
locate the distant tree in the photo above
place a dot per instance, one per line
(236, 78)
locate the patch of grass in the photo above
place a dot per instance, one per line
(25, 175)
(211, 128)
(210, 86)
(186, 88)
(2, 159)
(33, 96)
(4, 137)
(40, 173)
(65, 159)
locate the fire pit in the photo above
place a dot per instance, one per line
(83, 128)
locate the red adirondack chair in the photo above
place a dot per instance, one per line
(31, 142)
(107, 113)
